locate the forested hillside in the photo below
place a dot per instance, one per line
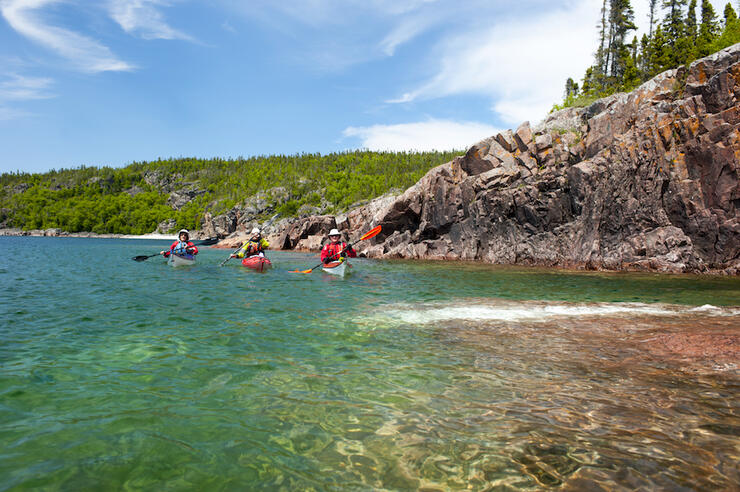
(175, 193)
(679, 32)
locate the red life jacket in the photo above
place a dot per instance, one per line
(332, 251)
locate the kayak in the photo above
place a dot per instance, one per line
(181, 260)
(335, 267)
(257, 263)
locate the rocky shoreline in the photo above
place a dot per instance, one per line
(645, 181)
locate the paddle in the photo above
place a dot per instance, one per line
(371, 233)
(205, 242)
(227, 259)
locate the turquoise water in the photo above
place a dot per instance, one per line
(402, 376)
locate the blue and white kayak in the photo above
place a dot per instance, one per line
(181, 260)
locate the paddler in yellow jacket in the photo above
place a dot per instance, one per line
(256, 246)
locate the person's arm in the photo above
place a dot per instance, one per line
(167, 253)
(351, 251)
(192, 248)
(264, 244)
(324, 253)
(242, 250)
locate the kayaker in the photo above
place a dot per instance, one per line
(183, 245)
(336, 249)
(256, 245)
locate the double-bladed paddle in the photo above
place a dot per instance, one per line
(205, 242)
(371, 233)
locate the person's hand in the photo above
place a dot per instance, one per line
(232, 256)
(162, 252)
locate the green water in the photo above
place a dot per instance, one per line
(118, 375)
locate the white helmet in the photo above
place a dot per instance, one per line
(255, 230)
(335, 232)
(183, 231)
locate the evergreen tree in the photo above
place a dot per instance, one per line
(621, 17)
(674, 27)
(708, 29)
(691, 29)
(730, 14)
(686, 47)
(661, 53)
(571, 88)
(644, 56)
(631, 76)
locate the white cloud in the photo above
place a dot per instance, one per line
(421, 136)
(404, 32)
(18, 87)
(9, 114)
(520, 63)
(142, 17)
(87, 54)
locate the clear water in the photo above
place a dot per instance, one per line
(118, 375)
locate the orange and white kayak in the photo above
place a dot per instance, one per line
(336, 267)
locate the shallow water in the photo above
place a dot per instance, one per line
(401, 376)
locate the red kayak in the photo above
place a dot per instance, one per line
(257, 263)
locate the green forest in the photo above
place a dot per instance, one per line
(134, 199)
(679, 32)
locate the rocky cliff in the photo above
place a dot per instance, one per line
(640, 181)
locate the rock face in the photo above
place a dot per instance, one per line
(640, 181)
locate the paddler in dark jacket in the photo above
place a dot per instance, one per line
(182, 247)
(336, 250)
(256, 246)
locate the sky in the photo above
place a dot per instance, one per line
(110, 82)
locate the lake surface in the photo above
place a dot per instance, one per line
(402, 376)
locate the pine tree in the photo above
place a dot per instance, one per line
(631, 75)
(571, 88)
(691, 30)
(674, 27)
(644, 56)
(621, 20)
(686, 47)
(661, 53)
(708, 29)
(730, 15)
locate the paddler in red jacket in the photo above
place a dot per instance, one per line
(182, 247)
(336, 250)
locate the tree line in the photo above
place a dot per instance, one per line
(677, 35)
(137, 198)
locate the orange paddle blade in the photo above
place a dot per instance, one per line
(299, 271)
(371, 233)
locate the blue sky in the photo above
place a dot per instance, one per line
(109, 82)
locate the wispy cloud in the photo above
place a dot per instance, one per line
(407, 30)
(85, 53)
(422, 136)
(141, 17)
(336, 34)
(22, 88)
(11, 114)
(520, 64)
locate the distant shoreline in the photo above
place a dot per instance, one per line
(60, 233)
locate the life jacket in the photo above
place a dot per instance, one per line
(252, 248)
(332, 251)
(180, 248)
